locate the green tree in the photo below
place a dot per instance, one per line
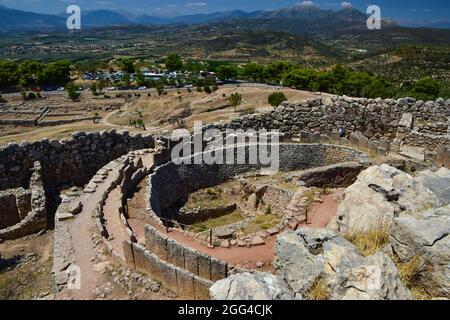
(126, 80)
(273, 73)
(140, 79)
(160, 89)
(254, 72)
(304, 79)
(57, 73)
(426, 89)
(93, 88)
(378, 87)
(276, 98)
(101, 85)
(30, 73)
(8, 73)
(174, 62)
(227, 72)
(72, 91)
(127, 65)
(235, 100)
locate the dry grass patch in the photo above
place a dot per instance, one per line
(318, 291)
(409, 273)
(369, 243)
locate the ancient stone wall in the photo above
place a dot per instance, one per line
(191, 216)
(170, 184)
(402, 122)
(66, 162)
(24, 212)
(182, 282)
(15, 204)
(177, 254)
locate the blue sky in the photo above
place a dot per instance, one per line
(402, 10)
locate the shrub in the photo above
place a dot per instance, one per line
(160, 89)
(31, 96)
(207, 89)
(426, 89)
(276, 98)
(1, 99)
(235, 100)
(199, 89)
(72, 91)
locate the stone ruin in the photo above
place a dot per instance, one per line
(24, 211)
(414, 129)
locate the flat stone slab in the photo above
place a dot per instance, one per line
(64, 216)
(257, 241)
(273, 231)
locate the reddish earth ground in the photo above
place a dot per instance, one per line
(321, 215)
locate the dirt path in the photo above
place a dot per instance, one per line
(81, 230)
(322, 213)
(113, 223)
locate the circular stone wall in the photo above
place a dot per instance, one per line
(170, 184)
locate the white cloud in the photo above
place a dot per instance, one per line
(196, 4)
(308, 4)
(346, 5)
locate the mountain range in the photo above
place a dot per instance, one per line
(12, 19)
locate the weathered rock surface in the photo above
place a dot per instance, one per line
(426, 236)
(298, 258)
(438, 182)
(251, 286)
(380, 193)
(304, 256)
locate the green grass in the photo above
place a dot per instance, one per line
(218, 222)
(262, 223)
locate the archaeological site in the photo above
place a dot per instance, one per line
(358, 208)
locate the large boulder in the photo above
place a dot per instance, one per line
(426, 236)
(366, 278)
(308, 255)
(298, 257)
(251, 286)
(380, 193)
(437, 182)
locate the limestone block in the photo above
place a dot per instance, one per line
(204, 266)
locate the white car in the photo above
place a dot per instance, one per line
(142, 88)
(189, 86)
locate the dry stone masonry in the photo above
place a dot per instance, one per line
(24, 212)
(375, 125)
